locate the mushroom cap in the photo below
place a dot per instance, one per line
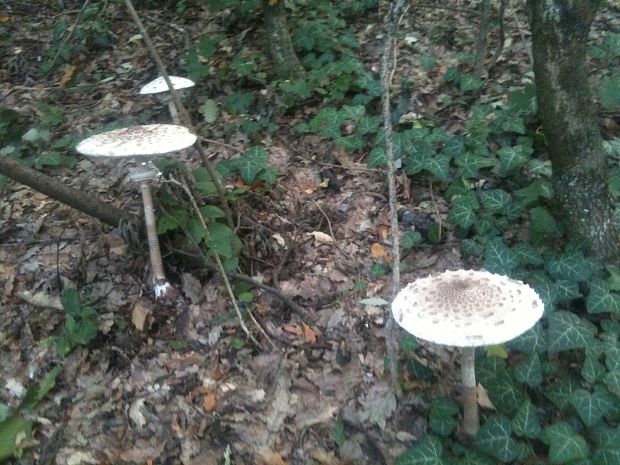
(467, 308)
(159, 85)
(148, 141)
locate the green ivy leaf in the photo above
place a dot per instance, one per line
(468, 83)
(238, 103)
(407, 342)
(352, 112)
(514, 124)
(410, 239)
(327, 122)
(600, 299)
(499, 258)
(377, 158)
(612, 356)
(528, 254)
(368, 125)
(567, 331)
(612, 381)
(539, 167)
(251, 162)
(525, 422)
(441, 419)
(495, 200)
(468, 164)
(564, 445)
(529, 371)
(503, 390)
(454, 147)
(531, 341)
(567, 290)
(592, 369)
(543, 226)
(571, 265)
(463, 209)
(531, 193)
(561, 393)
(590, 406)
(427, 452)
(495, 438)
(438, 166)
(511, 159)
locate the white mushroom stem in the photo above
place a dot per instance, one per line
(471, 420)
(159, 278)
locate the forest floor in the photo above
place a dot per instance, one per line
(166, 385)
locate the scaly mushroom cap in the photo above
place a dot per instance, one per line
(138, 141)
(159, 85)
(467, 308)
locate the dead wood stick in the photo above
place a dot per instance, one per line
(388, 66)
(53, 188)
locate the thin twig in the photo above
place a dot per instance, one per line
(387, 70)
(350, 168)
(222, 144)
(329, 223)
(185, 118)
(222, 272)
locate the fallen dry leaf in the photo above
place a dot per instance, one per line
(269, 458)
(378, 251)
(309, 335)
(139, 315)
(321, 237)
(209, 401)
(293, 329)
(67, 75)
(483, 398)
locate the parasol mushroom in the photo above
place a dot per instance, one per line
(159, 85)
(467, 309)
(142, 143)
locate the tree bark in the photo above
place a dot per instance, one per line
(279, 44)
(559, 41)
(52, 188)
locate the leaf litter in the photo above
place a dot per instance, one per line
(180, 385)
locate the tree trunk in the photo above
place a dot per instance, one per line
(52, 188)
(559, 41)
(279, 44)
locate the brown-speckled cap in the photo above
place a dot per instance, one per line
(467, 308)
(138, 141)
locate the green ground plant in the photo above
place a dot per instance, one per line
(80, 326)
(556, 392)
(16, 423)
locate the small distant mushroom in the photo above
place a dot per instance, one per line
(467, 309)
(159, 85)
(142, 143)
